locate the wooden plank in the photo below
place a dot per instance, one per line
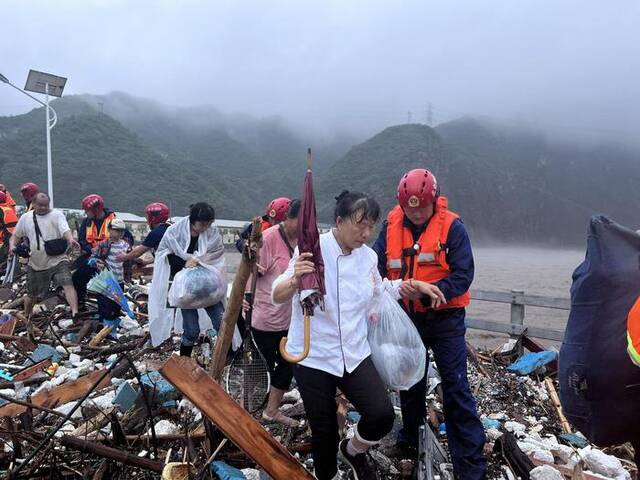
(32, 370)
(529, 300)
(516, 330)
(8, 327)
(100, 336)
(94, 423)
(22, 343)
(61, 394)
(234, 303)
(237, 425)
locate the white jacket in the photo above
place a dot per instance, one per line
(339, 333)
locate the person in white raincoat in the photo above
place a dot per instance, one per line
(190, 242)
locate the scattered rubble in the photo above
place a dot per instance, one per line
(102, 409)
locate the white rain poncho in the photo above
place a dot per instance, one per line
(209, 253)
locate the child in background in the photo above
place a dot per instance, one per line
(105, 255)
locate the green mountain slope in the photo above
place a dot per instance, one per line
(507, 185)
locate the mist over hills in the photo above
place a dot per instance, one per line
(508, 184)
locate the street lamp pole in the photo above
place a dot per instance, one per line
(51, 122)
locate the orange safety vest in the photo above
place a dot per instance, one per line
(425, 259)
(9, 201)
(265, 225)
(633, 333)
(93, 236)
(10, 220)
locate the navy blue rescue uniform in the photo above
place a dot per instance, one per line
(153, 238)
(443, 331)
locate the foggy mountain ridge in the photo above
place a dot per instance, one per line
(508, 184)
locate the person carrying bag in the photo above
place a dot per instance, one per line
(52, 248)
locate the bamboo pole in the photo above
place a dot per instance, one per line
(556, 403)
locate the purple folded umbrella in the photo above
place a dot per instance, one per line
(311, 288)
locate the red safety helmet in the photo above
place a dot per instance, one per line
(277, 209)
(29, 190)
(93, 203)
(156, 213)
(417, 188)
(3, 197)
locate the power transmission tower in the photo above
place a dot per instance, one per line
(409, 117)
(429, 114)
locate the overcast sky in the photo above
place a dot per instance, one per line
(571, 66)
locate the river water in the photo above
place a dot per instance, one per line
(537, 271)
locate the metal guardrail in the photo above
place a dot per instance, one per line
(518, 300)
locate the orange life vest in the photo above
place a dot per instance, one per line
(10, 220)
(633, 333)
(9, 201)
(93, 236)
(265, 225)
(425, 259)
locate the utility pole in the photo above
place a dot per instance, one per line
(429, 115)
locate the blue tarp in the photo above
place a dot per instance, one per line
(599, 385)
(530, 362)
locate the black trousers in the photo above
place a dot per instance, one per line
(280, 370)
(81, 277)
(363, 388)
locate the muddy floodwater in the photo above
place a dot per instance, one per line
(537, 271)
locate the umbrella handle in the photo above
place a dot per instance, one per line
(306, 346)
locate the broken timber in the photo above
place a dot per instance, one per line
(236, 424)
(59, 395)
(234, 304)
(111, 453)
(32, 370)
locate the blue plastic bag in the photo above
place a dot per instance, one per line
(226, 472)
(530, 362)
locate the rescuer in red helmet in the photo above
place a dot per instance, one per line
(426, 244)
(275, 214)
(93, 230)
(158, 215)
(28, 191)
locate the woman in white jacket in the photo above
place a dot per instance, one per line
(340, 354)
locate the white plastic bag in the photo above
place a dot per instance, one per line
(197, 287)
(397, 350)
